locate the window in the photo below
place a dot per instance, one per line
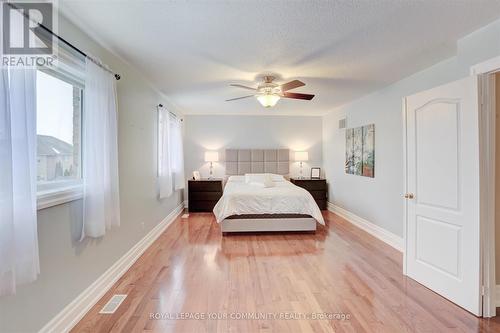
(59, 108)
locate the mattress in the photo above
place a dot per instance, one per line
(248, 200)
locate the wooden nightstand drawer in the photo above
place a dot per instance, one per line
(204, 194)
(310, 184)
(205, 185)
(321, 204)
(202, 206)
(319, 195)
(317, 188)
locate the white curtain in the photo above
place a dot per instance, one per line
(165, 178)
(101, 204)
(170, 154)
(176, 153)
(19, 262)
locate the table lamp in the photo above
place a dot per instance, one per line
(301, 156)
(211, 156)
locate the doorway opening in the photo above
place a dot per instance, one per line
(496, 293)
(488, 73)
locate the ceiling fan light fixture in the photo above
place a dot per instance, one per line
(268, 100)
(269, 93)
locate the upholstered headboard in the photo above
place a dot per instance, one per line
(241, 161)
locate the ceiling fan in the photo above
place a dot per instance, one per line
(269, 93)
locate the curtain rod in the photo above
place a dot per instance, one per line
(170, 112)
(117, 76)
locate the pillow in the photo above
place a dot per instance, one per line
(254, 177)
(261, 184)
(268, 181)
(277, 178)
(236, 179)
(260, 177)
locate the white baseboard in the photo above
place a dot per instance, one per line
(386, 236)
(497, 295)
(74, 311)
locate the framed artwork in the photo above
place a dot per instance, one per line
(357, 151)
(360, 151)
(368, 159)
(349, 151)
(315, 173)
(196, 175)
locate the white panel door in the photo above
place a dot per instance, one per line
(442, 152)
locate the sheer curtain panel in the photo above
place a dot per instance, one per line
(170, 154)
(177, 155)
(101, 204)
(19, 262)
(165, 179)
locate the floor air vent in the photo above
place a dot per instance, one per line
(113, 304)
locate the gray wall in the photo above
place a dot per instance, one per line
(379, 200)
(68, 266)
(212, 132)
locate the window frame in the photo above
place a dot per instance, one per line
(63, 191)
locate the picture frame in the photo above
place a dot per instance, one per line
(360, 151)
(196, 175)
(315, 173)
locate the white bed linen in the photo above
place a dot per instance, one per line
(284, 198)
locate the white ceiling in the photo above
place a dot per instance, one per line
(342, 50)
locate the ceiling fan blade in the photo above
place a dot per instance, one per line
(297, 96)
(233, 99)
(292, 85)
(242, 86)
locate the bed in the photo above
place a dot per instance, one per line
(250, 207)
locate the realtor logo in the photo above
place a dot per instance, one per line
(21, 31)
(27, 38)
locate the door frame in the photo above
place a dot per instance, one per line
(487, 140)
(405, 182)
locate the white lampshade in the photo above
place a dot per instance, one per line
(211, 156)
(301, 156)
(268, 100)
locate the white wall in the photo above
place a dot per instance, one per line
(67, 265)
(212, 132)
(379, 200)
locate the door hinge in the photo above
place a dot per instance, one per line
(483, 290)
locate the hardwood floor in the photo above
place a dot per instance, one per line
(340, 270)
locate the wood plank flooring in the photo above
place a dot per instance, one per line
(341, 271)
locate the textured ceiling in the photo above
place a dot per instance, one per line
(342, 50)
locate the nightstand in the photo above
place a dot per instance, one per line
(317, 188)
(203, 194)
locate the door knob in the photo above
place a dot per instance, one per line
(409, 196)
